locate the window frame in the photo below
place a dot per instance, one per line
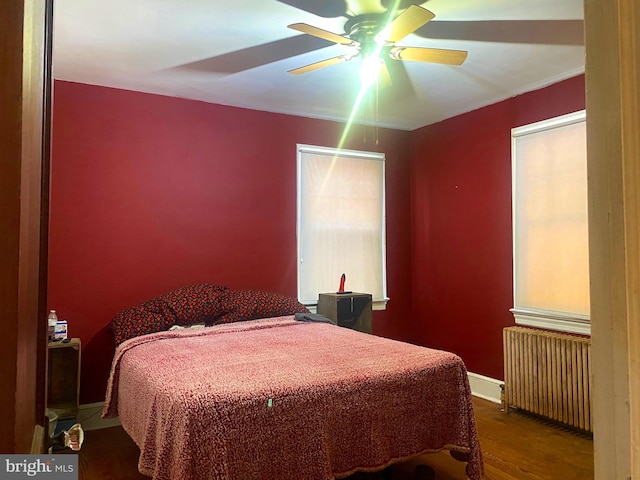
(301, 149)
(539, 317)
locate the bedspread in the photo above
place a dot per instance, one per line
(280, 399)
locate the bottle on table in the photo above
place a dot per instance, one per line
(52, 321)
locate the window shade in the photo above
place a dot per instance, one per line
(551, 251)
(340, 222)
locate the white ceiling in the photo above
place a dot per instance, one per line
(238, 53)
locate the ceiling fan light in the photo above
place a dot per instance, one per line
(382, 35)
(369, 70)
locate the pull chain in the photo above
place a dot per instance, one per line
(364, 125)
(377, 112)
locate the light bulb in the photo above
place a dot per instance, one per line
(369, 70)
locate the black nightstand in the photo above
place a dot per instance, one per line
(351, 310)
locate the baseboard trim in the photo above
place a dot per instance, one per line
(485, 387)
(90, 417)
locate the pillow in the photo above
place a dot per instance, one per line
(198, 303)
(241, 305)
(146, 317)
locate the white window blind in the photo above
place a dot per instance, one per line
(341, 224)
(550, 226)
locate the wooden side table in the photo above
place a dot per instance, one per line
(63, 381)
(351, 310)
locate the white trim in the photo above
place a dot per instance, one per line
(90, 417)
(375, 305)
(485, 387)
(579, 324)
(380, 304)
(555, 122)
(550, 80)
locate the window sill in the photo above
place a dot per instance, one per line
(376, 305)
(579, 324)
(380, 304)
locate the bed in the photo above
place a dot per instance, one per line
(279, 398)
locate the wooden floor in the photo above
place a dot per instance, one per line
(513, 446)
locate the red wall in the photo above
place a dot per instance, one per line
(150, 193)
(461, 227)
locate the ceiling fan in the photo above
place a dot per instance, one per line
(374, 37)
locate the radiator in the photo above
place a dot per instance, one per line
(547, 374)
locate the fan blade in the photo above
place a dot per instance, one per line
(326, 9)
(320, 64)
(402, 86)
(432, 55)
(399, 4)
(538, 32)
(320, 33)
(408, 22)
(258, 55)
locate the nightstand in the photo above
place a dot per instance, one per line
(63, 382)
(351, 310)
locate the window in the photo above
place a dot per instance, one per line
(341, 225)
(550, 229)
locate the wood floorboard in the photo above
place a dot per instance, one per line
(514, 447)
